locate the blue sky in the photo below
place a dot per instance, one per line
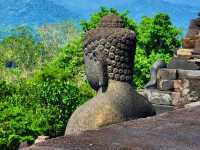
(37, 12)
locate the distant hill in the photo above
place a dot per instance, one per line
(38, 12)
(33, 12)
(181, 11)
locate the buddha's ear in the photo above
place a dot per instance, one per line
(102, 70)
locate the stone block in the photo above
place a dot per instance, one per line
(178, 63)
(166, 74)
(179, 85)
(186, 91)
(196, 54)
(177, 99)
(185, 53)
(189, 42)
(158, 97)
(188, 74)
(165, 85)
(197, 45)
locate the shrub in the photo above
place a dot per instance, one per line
(19, 124)
(157, 34)
(143, 65)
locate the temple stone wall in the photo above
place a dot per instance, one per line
(179, 83)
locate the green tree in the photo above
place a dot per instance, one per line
(157, 34)
(56, 36)
(20, 49)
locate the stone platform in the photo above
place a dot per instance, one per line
(176, 130)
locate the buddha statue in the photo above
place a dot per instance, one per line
(109, 58)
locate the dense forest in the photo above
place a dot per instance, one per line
(42, 78)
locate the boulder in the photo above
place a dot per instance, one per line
(178, 100)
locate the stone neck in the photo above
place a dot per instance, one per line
(117, 86)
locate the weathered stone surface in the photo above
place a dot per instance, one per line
(154, 70)
(179, 85)
(41, 139)
(187, 91)
(193, 34)
(165, 85)
(160, 109)
(188, 74)
(178, 63)
(108, 54)
(191, 105)
(167, 74)
(185, 53)
(120, 103)
(189, 43)
(24, 145)
(177, 130)
(178, 100)
(197, 44)
(158, 97)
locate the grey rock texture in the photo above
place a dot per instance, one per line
(188, 74)
(154, 70)
(178, 63)
(158, 97)
(119, 103)
(187, 91)
(167, 74)
(176, 130)
(193, 34)
(109, 53)
(165, 85)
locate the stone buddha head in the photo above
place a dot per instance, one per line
(109, 53)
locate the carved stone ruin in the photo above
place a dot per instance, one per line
(109, 55)
(178, 83)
